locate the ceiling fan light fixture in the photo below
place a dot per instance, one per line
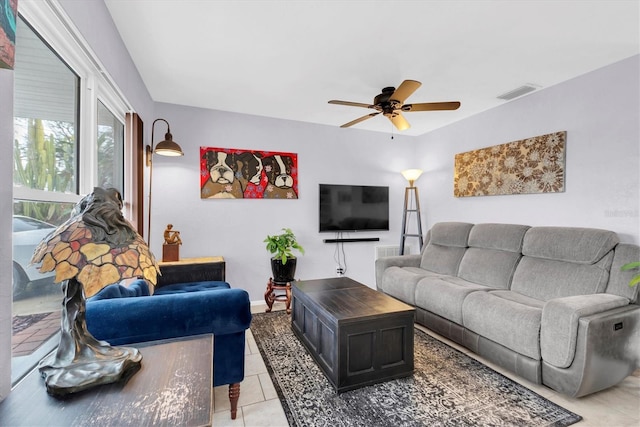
(391, 104)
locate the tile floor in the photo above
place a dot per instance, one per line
(259, 405)
(26, 341)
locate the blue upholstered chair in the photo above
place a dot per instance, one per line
(128, 314)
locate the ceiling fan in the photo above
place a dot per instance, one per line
(391, 104)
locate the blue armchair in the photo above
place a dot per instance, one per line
(123, 315)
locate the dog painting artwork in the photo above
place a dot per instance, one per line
(230, 173)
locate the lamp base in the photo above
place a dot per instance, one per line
(79, 376)
(81, 361)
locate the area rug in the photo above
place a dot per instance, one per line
(448, 388)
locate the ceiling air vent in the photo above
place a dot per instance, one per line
(522, 90)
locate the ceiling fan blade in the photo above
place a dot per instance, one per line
(399, 121)
(431, 106)
(361, 119)
(350, 104)
(405, 90)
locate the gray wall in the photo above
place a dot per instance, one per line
(600, 112)
(236, 229)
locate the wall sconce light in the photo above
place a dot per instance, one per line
(166, 147)
(411, 193)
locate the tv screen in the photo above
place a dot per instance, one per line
(353, 208)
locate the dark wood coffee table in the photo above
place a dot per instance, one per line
(358, 336)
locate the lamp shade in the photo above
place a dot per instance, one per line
(97, 246)
(411, 175)
(168, 147)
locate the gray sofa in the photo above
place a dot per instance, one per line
(548, 303)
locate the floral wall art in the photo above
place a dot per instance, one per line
(232, 173)
(532, 165)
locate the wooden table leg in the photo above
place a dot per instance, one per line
(269, 296)
(288, 301)
(234, 396)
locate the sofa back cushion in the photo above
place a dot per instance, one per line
(447, 244)
(493, 254)
(564, 261)
(572, 244)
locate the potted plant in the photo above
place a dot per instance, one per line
(283, 263)
(630, 266)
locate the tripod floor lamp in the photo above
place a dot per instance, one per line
(166, 147)
(411, 197)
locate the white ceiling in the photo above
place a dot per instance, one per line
(286, 59)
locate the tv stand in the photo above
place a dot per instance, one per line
(358, 239)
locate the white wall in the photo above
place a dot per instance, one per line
(600, 112)
(94, 22)
(236, 229)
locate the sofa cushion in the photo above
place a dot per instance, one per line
(506, 318)
(446, 246)
(400, 282)
(545, 279)
(502, 237)
(130, 320)
(571, 244)
(488, 267)
(179, 288)
(443, 295)
(493, 254)
(138, 288)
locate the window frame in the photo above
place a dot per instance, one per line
(49, 20)
(52, 24)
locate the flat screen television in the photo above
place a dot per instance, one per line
(353, 208)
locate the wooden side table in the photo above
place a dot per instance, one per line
(192, 270)
(173, 387)
(274, 293)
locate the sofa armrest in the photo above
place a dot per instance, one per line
(559, 325)
(394, 261)
(129, 320)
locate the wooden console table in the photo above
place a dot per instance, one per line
(173, 387)
(192, 270)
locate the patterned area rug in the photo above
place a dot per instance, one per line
(448, 388)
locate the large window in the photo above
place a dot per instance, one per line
(46, 111)
(68, 138)
(110, 149)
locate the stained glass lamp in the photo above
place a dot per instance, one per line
(95, 248)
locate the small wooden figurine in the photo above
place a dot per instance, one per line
(171, 246)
